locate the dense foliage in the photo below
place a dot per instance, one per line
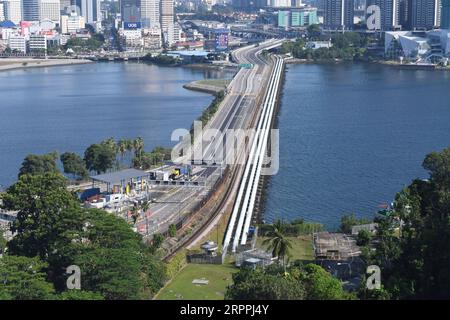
(310, 282)
(53, 229)
(39, 164)
(345, 46)
(413, 245)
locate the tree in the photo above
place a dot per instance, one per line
(99, 158)
(413, 244)
(23, 278)
(277, 241)
(134, 214)
(79, 295)
(73, 164)
(2, 243)
(122, 148)
(51, 225)
(39, 164)
(363, 238)
(320, 284)
(297, 282)
(258, 284)
(138, 145)
(172, 230)
(157, 241)
(115, 263)
(314, 31)
(46, 211)
(349, 221)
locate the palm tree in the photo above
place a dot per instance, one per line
(111, 143)
(277, 241)
(129, 147)
(138, 145)
(122, 147)
(145, 206)
(134, 214)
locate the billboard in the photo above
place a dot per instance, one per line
(221, 37)
(131, 25)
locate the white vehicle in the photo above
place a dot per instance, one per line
(114, 198)
(99, 203)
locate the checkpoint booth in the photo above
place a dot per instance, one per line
(124, 181)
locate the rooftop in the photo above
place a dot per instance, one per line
(119, 176)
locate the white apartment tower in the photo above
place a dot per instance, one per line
(2, 12)
(50, 9)
(150, 13)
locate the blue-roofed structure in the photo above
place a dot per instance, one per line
(7, 24)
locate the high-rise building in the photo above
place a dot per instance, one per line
(150, 12)
(167, 20)
(338, 14)
(89, 9)
(445, 14)
(2, 12)
(72, 23)
(12, 10)
(50, 9)
(423, 14)
(390, 13)
(30, 10)
(64, 4)
(249, 5)
(130, 10)
(279, 3)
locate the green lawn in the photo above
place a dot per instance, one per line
(302, 247)
(220, 83)
(182, 288)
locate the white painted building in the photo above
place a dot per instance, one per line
(150, 13)
(2, 12)
(37, 42)
(50, 9)
(17, 42)
(72, 23)
(131, 38)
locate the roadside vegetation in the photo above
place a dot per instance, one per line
(101, 157)
(53, 232)
(348, 46)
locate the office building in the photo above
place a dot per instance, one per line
(338, 14)
(72, 23)
(297, 17)
(17, 43)
(30, 10)
(90, 10)
(130, 10)
(390, 13)
(279, 3)
(12, 10)
(63, 4)
(2, 12)
(150, 11)
(423, 14)
(167, 20)
(50, 9)
(37, 42)
(445, 14)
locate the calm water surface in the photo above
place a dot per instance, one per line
(352, 136)
(68, 108)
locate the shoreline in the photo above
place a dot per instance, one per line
(7, 64)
